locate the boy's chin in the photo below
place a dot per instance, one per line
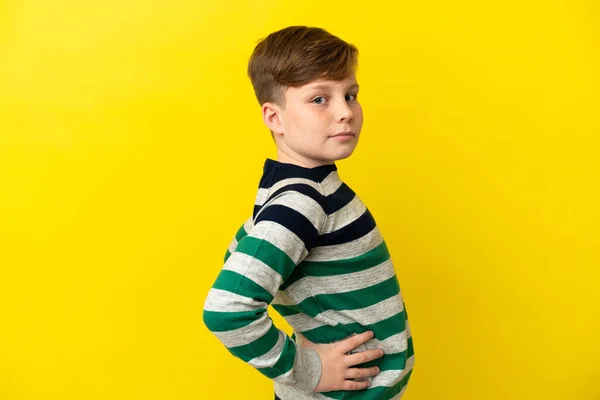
(342, 156)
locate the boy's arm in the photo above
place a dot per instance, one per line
(235, 310)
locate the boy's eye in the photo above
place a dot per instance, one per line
(351, 97)
(319, 100)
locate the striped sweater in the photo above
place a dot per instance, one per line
(313, 251)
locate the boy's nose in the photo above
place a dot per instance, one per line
(344, 112)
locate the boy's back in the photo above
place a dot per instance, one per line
(312, 249)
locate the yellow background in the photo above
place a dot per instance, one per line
(131, 146)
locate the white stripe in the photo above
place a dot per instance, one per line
(225, 301)
(286, 391)
(248, 225)
(263, 193)
(246, 334)
(285, 378)
(255, 270)
(282, 238)
(331, 183)
(303, 288)
(302, 322)
(364, 316)
(233, 245)
(347, 250)
(345, 215)
(394, 344)
(270, 358)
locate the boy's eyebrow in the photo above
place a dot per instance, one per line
(327, 86)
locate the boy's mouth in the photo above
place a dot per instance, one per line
(349, 133)
(344, 136)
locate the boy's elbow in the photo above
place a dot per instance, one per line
(211, 319)
(220, 315)
(216, 321)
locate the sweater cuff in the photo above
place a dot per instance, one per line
(307, 369)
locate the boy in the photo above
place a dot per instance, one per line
(311, 248)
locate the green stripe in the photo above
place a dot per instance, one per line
(286, 311)
(268, 253)
(240, 233)
(217, 321)
(395, 361)
(238, 236)
(410, 351)
(259, 347)
(376, 393)
(367, 260)
(233, 282)
(382, 330)
(353, 300)
(285, 362)
(389, 326)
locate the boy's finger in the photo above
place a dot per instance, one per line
(347, 345)
(363, 357)
(355, 385)
(358, 373)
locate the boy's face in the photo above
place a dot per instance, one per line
(320, 123)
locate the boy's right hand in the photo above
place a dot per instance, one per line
(336, 364)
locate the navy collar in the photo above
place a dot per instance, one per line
(286, 170)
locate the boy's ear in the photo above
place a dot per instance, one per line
(272, 117)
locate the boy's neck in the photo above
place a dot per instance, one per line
(284, 157)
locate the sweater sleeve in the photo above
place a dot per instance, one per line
(285, 230)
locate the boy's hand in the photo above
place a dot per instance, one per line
(336, 371)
